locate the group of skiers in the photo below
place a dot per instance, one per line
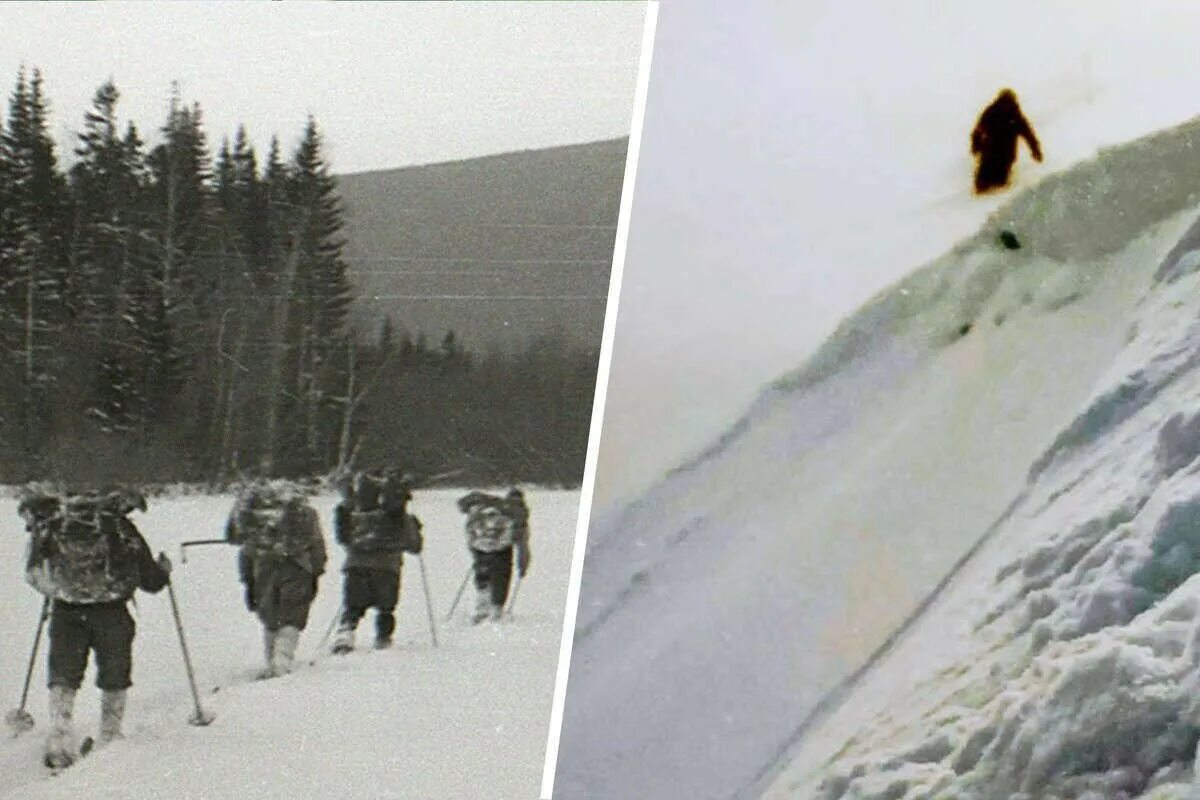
(88, 559)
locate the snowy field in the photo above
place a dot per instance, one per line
(465, 720)
(723, 612)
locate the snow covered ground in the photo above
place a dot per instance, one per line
(465, 720)
(740, 595)
(1063, 659)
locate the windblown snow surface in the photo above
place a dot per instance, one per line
(731, 622)
(465, 720)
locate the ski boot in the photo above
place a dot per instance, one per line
(484, 607)
(385, 624)
(269, 653)
(112, 711)
(286, 640)
(343, 642)
(60, 750)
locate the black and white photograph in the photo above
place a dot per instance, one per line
(301, 316)
(898, 487)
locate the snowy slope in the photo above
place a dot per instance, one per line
(1062, 660)
(720, 609)
(465, 720)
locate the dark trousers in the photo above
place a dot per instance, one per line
(104, 628)
(494, 571)
(364, 588)
(283, 596)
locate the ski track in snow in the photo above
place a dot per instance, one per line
(467, 719)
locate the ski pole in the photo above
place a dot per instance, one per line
(461, 589)
(512, 599)
(194, 542)
(19, 719)
(428, 601)
(201, 717)
(328, 632)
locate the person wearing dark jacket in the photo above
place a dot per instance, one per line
(88, 558)
(280, 564)
(376, 539)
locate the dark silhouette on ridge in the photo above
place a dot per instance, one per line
(994, 141)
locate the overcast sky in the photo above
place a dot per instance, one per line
(798, 156)
(390, 83)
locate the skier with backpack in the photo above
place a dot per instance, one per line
(280, 563)
(495, 528)
(88, 559)
(373, 524)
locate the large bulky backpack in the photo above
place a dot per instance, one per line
(377, 518)
(269, 521)
(489, 526)
(380, 532)
(82, 549)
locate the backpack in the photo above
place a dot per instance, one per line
(374, 516)
(378, 492)
(83, 550)
(381, 532)
(489, 529)
(268, 521)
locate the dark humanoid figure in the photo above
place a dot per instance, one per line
(994, 141)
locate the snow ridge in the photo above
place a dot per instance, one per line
(1080, 676)
(857, 493)
(1120, 193)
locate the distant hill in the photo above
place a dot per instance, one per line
(497, 249)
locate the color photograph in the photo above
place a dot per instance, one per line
(896, 493)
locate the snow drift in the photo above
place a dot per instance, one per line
(725, 617)
(1071, 665)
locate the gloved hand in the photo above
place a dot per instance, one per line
(164, 563)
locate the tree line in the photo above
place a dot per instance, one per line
(167, 315)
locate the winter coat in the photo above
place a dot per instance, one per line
(280, 589)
